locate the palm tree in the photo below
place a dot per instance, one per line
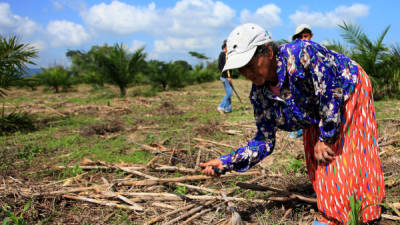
(118, 66)
(13, 59)
(369, 54)
(56, 77)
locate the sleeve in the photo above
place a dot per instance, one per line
(328, 89)
(258, 148)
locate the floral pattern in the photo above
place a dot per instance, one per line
(315, 83)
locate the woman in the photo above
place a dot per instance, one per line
(303, 85)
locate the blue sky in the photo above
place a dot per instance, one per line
(170, 29)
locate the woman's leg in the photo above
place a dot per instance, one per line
(356, 169)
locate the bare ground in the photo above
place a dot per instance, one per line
(34, 181)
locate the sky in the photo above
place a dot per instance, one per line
(170, 29)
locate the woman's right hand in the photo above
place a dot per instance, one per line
(208, 167)
(323, 153)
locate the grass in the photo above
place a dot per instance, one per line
(15, 219)
(294, 165)
(192, 114)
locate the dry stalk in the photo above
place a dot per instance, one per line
(182, 179)
(390, 217)
(210, 150)
(198, 159)
(102, 202)
(235, 218)
(155, 220)
(196, 216)
(214, 142)
(130, 202)
(190, 212)
(290, 196)
(174, 168)
(155, 178)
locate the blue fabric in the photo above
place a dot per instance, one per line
(318, 223)
(315, 83)
(226, 104)
(296, 134)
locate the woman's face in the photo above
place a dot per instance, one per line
(260, 69)
(306, 36)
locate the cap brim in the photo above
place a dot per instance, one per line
(239, 60)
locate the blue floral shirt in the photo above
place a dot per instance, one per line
(314, 84)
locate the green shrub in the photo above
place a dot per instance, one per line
(15, 121)
(201, 76)
(29, 82)
(166, 75)
(56, 77)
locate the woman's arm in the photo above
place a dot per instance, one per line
(259, 147)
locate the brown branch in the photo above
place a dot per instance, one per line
(155, 220)
(174, 168)
(190, 212)
(257, 187)
(390, 217)
(290, 195)
(235, 218)
(152, 178)
(65, 181)
(210, 150)
(163, 205)
(102, 202)
(198, 159)
(153, 181)
(389, 143)
(176, 197)
(139, 208)
(149, 148)
(214, 206)
(214, 142)
(195, 216)
(72, 190)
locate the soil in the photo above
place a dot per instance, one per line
(39, 176)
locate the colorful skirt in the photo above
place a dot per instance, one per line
(356, 169)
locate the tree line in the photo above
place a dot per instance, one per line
(114, 64)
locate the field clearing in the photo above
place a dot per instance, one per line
(103, 147)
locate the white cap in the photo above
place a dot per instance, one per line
(300, 29)
(242, 44)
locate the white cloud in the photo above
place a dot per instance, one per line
(57, 5)
(120, 18)
(266, 16)
(161, 46)
(199, 17)
(136, 44)
(182, 45)
(193, 25)
(186, 18)
(332, 18)
(188, 25)
(39, 45)
(14, 24)
(66, 33)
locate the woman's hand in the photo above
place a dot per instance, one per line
(323, 153)
(208, 167)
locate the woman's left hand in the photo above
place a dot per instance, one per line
(208, 167)
(323, 153)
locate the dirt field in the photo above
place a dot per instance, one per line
(95, 158)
